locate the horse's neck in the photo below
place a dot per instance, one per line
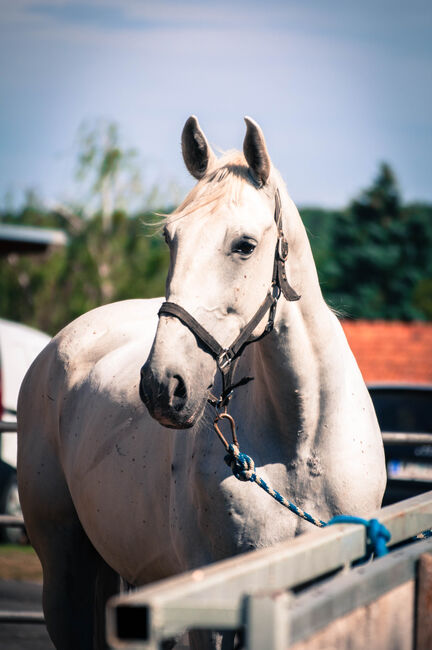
(298, 366)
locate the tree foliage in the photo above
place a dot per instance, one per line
(107, 167)
(95, 268)
(373, 258)
(378, 262)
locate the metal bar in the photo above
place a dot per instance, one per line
(217, 591)
(8, 427)
(321, 605)
(196, 593)
(21, 617)
(424, 603)
(267, 620)
(407, 438)
(407, 518)
(10, 521)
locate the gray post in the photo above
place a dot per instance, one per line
(267, 621)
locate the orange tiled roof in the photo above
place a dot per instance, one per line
(391, 351)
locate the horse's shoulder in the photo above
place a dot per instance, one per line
(97, 333)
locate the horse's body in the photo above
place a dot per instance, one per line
(106, 489)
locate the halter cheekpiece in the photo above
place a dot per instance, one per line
(227, 358)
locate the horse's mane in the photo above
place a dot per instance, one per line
(223, 183)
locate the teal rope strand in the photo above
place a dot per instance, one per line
(243, 468)
(426, 534)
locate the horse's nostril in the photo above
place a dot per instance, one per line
(180, 391)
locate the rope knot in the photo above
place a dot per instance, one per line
(242, 465)
(378, 537)
(377, 533)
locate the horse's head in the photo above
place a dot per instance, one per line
(222, 243)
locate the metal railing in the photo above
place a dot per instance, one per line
(254, 592)
(21, 617)
(10, 521)
(8, 427)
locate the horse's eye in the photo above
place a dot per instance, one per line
(244, 247)
(165, 235)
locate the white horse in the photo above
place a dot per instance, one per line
(107, 489)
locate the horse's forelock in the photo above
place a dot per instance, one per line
(220, 184)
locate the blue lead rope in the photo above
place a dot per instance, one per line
(243, 468)
(377, 533)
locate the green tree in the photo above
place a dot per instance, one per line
(48, 291)
(318, 223)
(110, 169)
(379, 262)
(111, 255)
(373, 258)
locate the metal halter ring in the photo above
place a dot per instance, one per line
(224, 359)
(231, 420)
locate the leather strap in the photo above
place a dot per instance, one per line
(223, 356)
(205, 337)
(281, 254)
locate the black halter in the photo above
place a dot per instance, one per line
(227, 358)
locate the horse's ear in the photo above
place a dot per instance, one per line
(255, 151)
(197, 152)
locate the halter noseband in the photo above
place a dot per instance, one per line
(227, 358)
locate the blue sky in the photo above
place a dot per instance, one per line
(337, 86)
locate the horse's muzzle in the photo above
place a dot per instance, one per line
(166, 398)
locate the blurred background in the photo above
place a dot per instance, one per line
(94, 97)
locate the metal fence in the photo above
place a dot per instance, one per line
(266, 595)
(271, 596)
(21, 617)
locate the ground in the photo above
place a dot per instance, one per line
(19, 562)
(21, 590)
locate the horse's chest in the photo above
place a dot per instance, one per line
(221, 515)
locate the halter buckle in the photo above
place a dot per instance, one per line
(275, 292)
(225, 359)
(282, 249)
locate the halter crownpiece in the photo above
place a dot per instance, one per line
(227, 358)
